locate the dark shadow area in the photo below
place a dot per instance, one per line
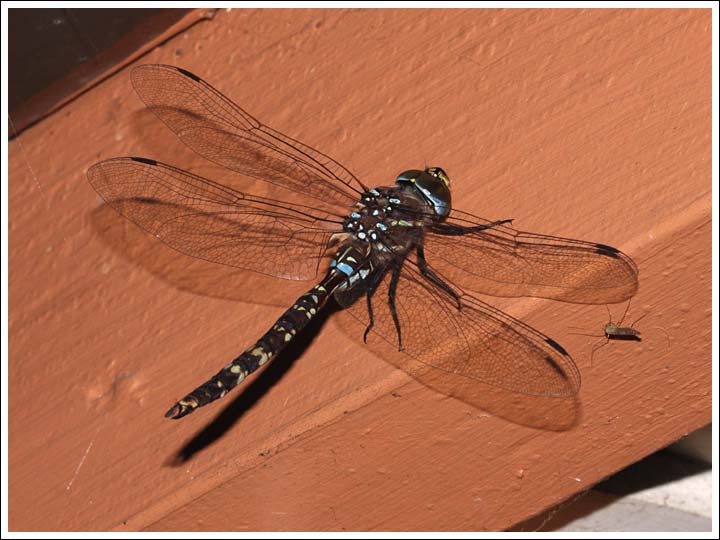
(656, 469)
(154, 140)
(48, 44)
(57, 53)
(252, 392)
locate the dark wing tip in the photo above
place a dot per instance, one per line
(146, 161)
(567, 373)
(188, 74)
(610, 251)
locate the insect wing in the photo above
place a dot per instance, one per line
(501, 261)
(219, 130)
(209, 221)
(476, 342)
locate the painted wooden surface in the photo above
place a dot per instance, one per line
(590, 124)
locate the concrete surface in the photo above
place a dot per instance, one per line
(633, 515)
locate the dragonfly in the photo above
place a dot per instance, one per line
(400, 259)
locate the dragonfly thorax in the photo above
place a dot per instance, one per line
(384, 212)
(383, 225)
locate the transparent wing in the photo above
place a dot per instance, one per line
(219, 130)
(501, 261)
(213, 222)
(448, 348)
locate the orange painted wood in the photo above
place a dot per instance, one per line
(592, 124)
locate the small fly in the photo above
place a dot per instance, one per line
(614, 331)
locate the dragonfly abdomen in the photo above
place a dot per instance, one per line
(274, 340)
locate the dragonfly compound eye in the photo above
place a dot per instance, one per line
(433, 184)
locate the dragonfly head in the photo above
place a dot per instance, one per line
(433, 184)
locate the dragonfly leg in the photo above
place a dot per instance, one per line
(372, 287)
(490, 225)
(430, 274)
(394, 279)
(457, 230)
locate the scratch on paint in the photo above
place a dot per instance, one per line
(77, 470)
(35, 177)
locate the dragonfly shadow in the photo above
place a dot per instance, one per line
(539, 412)
(160, 143)
(253, 391)
(536, 411)
(187, 273)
